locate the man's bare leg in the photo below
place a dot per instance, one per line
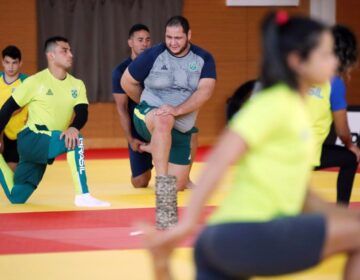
(182, 174)
(194, 147)
(160, 128)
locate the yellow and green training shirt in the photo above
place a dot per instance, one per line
(318, 102)
(322, 102)
(18, 120)
(271, 179)
(50, 101)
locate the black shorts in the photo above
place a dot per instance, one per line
(139, 162)
(244, 250)
(10, 152)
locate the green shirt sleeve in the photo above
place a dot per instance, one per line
(23, 77)
(258, 119)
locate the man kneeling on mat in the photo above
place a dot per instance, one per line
(52, 96)
(178, 78)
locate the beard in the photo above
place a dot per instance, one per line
(181, 50)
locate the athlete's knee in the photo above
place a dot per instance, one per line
(21, 193)
(351, 161)
(79, 145)
(354, 161)
(141, 181)
(164, 123)
(18, 200)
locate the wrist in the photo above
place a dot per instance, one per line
(74, 127)
(177, 111)
(346, 141)
(187, 226)
(349, 145)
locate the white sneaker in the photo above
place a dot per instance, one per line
(86, 200)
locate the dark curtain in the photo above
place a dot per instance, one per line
(98, 32)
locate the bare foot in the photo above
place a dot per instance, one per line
(190, 185)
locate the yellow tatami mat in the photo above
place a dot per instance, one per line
(110, 180)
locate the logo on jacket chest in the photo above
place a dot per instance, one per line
(316, 92)
(74, 93)
(192, 66)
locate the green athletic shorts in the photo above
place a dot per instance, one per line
(180, 151)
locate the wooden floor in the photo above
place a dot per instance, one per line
(49, 238)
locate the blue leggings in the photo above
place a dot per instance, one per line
(244, 250)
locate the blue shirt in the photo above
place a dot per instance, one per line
(116, 87)
(172, 80)
(337, 94)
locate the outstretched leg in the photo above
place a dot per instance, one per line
(19, 187)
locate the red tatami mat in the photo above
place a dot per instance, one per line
(66, 231)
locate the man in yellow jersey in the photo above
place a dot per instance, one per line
(53, 96)
(11, 78)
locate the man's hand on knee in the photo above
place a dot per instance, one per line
(71, 137)
(166, 110)
(157, 119)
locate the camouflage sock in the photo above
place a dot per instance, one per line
(166, 201)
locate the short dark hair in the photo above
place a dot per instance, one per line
(345, 47)
(51, 42)
(11, 51)
(138, 27)
(179, 20)
(297, 34)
